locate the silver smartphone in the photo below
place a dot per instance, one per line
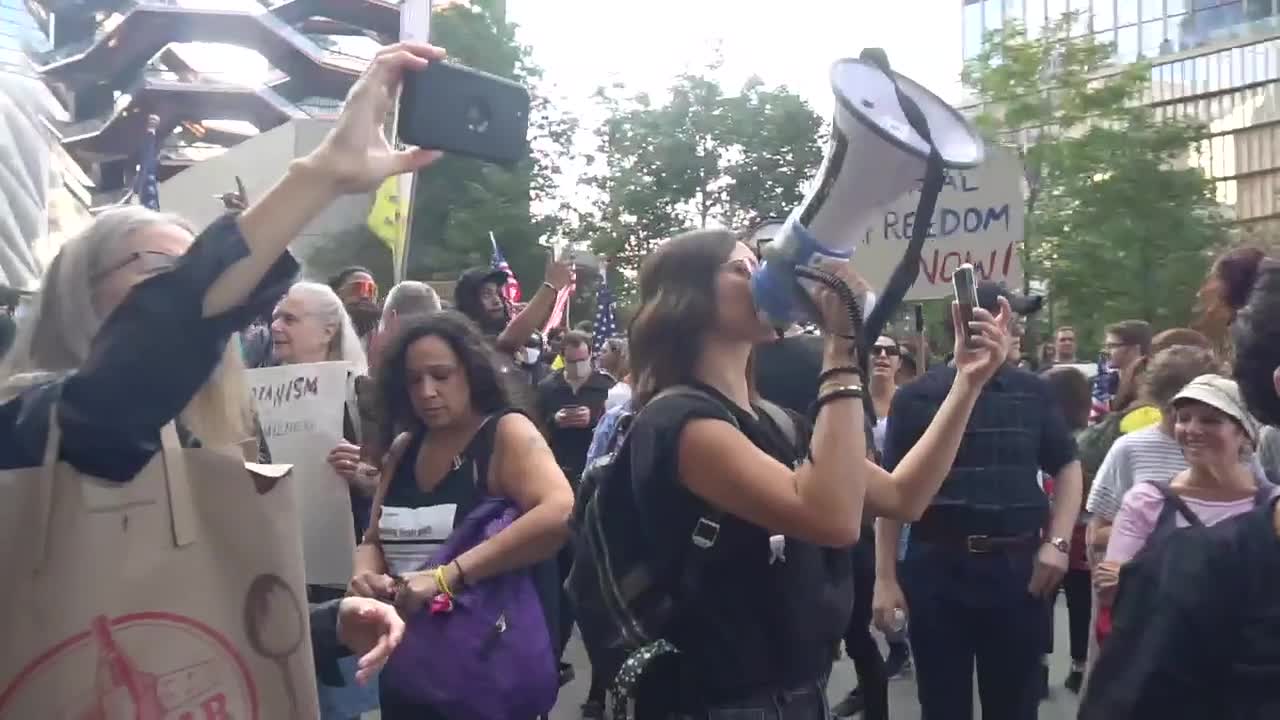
(966, 296)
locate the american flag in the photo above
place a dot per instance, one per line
(560, 312)
(606, 325)
(511, 290)
(1101, 392)
(146, 187)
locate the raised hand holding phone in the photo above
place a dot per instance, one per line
(966, 297)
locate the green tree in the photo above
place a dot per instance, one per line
(1119, 223)
(697, 158)
(459, 201)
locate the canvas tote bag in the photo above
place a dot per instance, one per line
(176, 596)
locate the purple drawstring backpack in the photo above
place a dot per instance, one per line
(491, 657)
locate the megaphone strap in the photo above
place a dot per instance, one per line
(908, 268)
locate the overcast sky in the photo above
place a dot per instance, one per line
(586, 43)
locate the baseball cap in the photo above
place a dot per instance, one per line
(989, 294)
(1223, 395)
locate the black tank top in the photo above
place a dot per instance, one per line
(463, 487)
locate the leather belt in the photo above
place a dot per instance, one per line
(975, 544)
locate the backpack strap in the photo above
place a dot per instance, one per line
(1172, 499)
(783, 420)
(1264, 494)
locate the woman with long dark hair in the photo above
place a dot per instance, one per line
(768, 624)
(457, 440)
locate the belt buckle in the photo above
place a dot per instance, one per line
(978, 544)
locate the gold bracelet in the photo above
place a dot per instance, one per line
(441, 583)
(836, 387)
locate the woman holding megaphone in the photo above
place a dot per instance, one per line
(777, 593)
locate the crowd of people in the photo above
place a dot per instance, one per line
(784, 498)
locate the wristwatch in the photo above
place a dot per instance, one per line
(1062, 545)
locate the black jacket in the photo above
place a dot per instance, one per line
(570, 445)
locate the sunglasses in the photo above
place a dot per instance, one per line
(366, 289)
(150, 262)
(886, 350)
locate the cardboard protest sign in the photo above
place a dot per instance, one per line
(301, 411)
(978, 219)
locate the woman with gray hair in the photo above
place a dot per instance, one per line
(134, 325)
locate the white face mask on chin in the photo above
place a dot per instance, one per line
(531, 356)
(579, 368)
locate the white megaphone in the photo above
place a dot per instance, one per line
(878, 151)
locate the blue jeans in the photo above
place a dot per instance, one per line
(967, 607)
(342, 703)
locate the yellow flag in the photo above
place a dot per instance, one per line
(388, 216)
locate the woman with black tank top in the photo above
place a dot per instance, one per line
(460, 441)
(763, 635)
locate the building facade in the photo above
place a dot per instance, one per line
(1217, 61)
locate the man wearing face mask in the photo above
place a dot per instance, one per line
(570, 403)
(529, 361)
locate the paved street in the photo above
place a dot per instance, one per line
(902, 693)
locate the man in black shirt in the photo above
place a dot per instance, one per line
(979, 565)
(571, 402)
(787, 371)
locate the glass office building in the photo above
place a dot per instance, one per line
(1215, 60)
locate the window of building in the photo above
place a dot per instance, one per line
(1153, 39)
(1104, 14)
(972, 22)
(1012, 10)
(1035, 18)
(1054, 10)
(1258, 9)
(1152, 10)
(1127, 44)
(1081, 8)
(1175, 7)
(1126, 12)
(991, 17)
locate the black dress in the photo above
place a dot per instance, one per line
(758, 625)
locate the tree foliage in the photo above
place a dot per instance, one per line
(458, 201)
(699, 157)
(1119, 223)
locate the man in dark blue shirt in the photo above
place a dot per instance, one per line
(980, 563)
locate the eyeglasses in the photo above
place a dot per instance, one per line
(1115, 345)
(151, 262)
(886, 350)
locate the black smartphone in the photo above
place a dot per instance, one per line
(459, 110)
(966, 295)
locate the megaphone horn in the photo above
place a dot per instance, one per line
(888, 132)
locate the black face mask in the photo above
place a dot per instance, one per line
(365, 315)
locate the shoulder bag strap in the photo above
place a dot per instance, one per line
(1172, 499)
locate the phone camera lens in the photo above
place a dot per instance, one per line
(478, 116)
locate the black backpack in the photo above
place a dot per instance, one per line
(622, 603)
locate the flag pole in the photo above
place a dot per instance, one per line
(415, 26)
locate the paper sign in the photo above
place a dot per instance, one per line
(301, 410)
(978, 219)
